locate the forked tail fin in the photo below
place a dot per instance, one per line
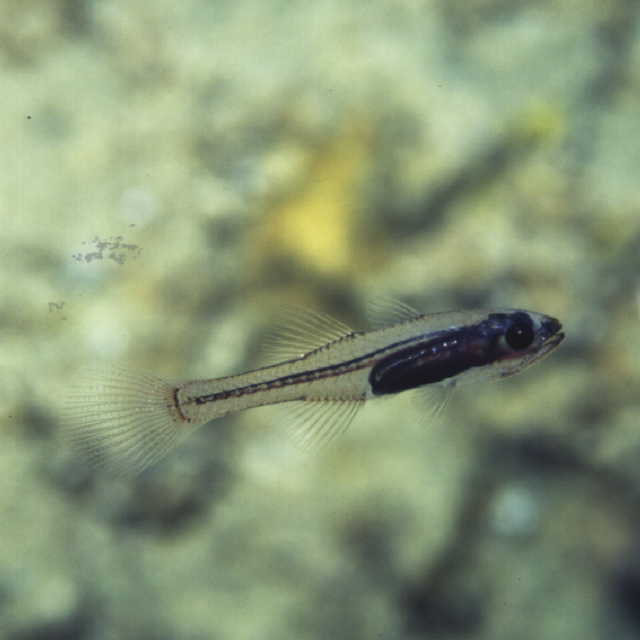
(122, 420)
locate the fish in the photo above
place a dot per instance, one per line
(324, 372)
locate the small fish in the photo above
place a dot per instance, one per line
(128, 420)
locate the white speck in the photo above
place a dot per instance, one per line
(515, 512)
(138, 206)
(105, 339)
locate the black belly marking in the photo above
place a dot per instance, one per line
(432, 361)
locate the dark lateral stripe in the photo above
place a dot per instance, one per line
(330, 371)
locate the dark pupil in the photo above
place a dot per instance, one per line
(519, 336)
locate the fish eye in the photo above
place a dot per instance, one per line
(520, 335)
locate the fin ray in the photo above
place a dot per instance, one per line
(385, 310)
(299, 331)
(121, 420)
(314, 423)
(431, 400)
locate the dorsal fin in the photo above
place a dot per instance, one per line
(299, 331)
(384, 310)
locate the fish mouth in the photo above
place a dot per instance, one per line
(552, 342)
(551, 335)
(548, 345)
(550, 327)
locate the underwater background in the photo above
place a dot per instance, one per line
(175, 173)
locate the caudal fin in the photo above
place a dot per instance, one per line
(122, 420)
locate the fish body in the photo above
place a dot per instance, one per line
(129, 420)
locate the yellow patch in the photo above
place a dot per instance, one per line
(314, 224)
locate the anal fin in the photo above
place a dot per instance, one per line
(314, 423)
